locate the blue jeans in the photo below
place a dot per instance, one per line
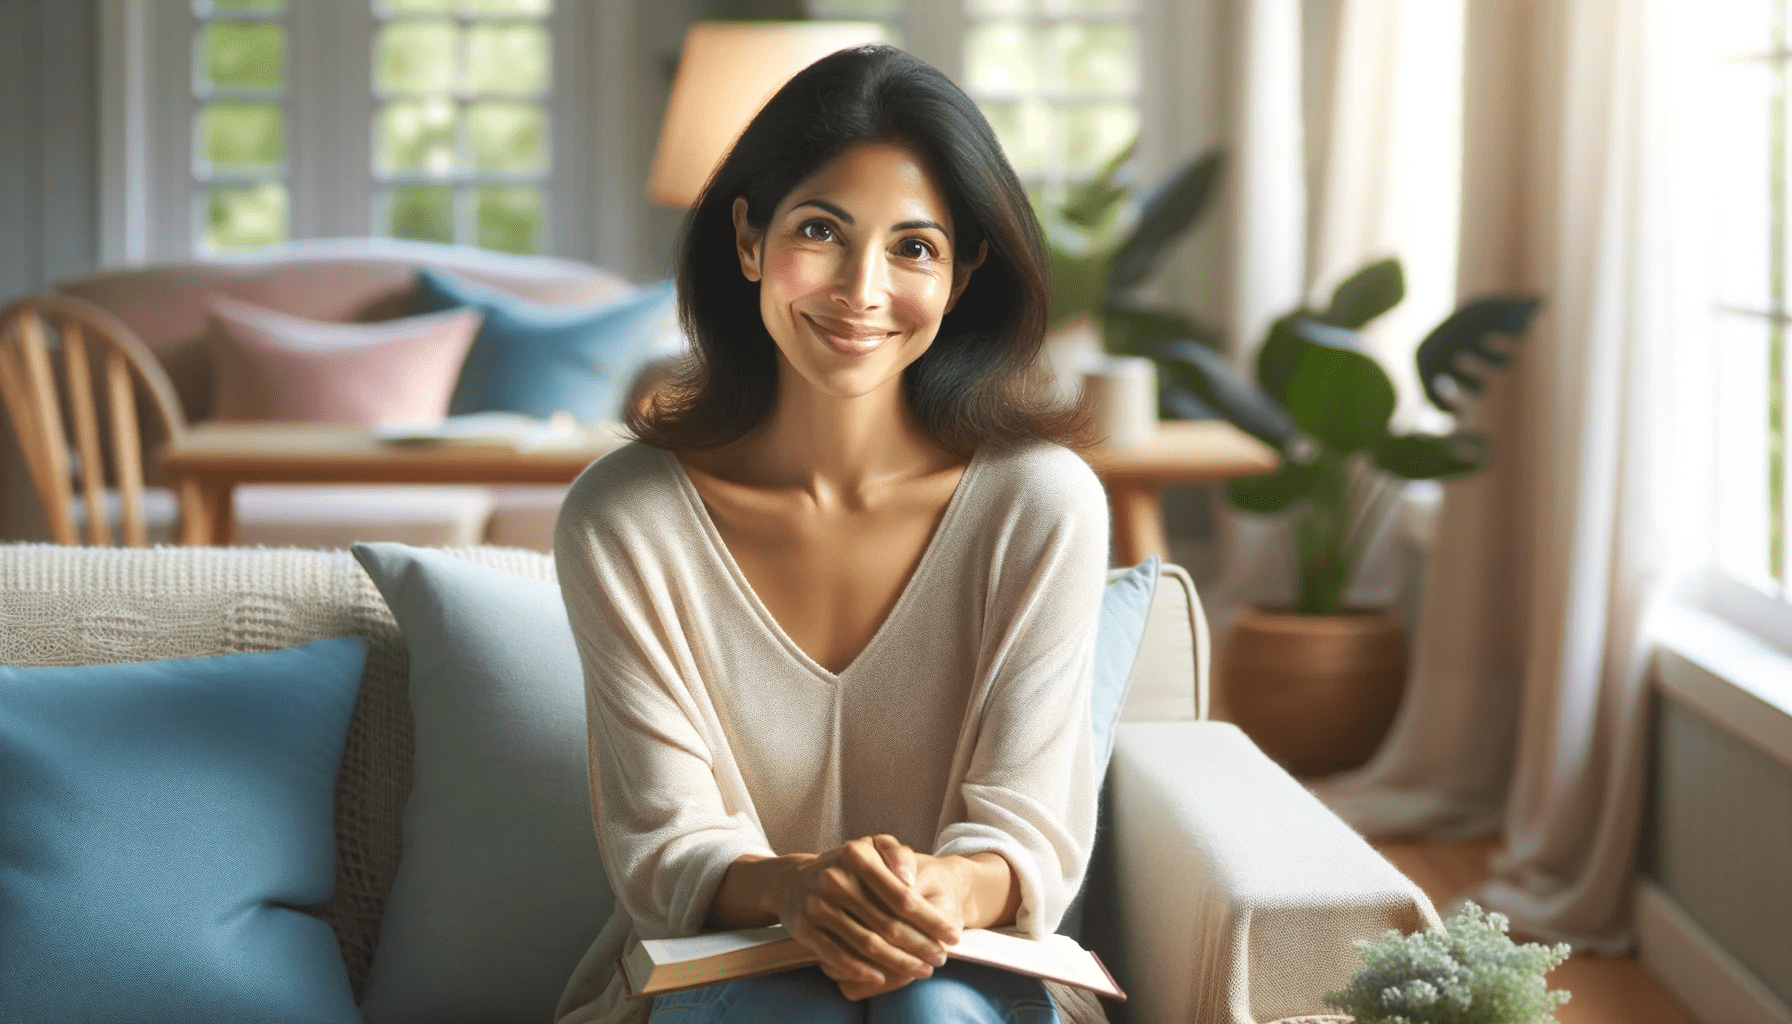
(958, 993)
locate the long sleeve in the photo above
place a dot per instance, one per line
(1029, 789)
(666, 830)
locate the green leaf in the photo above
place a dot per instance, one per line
(1166, 213)
(1136, 330)
(1078, 282)
(1341, 397)
(1367, 294)
(1463, 336)
(1092, 204)
(1267, 495)
(1429, 456)
(1279, 355)
(1219, 386)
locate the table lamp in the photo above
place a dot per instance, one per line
(725, 74)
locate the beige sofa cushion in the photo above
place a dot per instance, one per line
(84, 606)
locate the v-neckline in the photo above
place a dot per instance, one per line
(719, 549)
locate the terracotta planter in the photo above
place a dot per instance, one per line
(1316, 692)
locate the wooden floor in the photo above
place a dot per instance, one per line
(1607, 990)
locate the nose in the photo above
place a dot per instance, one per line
(862, 279)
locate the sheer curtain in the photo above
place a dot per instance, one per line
(1527, 707)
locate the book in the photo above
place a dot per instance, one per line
(655, 966)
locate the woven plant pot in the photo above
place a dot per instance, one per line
(1316, 692)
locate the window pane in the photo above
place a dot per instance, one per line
(242, 136)
(1744, 532)
(1744, 184)
(509, 218)
(244, 54)
(419, 6)
(1096, 57)
(423, 212)
(417, 136)
(1093, 132)
(416, 56)
(508, 137)
(525, 8)
(1024, 128)
(240, 6)
(245, 216)
(986, 8)
(507, 58)
(1001, 57)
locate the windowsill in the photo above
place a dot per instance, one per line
(1728, 674)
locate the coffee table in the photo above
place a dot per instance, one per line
(208, 461)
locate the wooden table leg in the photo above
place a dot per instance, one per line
(1138, 511)
(220, 502)
(195, 521)
(206, 513)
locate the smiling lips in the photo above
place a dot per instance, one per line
(845, 336)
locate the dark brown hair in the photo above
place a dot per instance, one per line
(976, 384)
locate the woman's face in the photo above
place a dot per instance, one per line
(855, 268)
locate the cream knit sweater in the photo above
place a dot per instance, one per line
(962, 727)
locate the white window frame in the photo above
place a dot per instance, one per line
(148, 111)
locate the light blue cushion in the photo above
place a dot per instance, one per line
(501, 888)
(158, 824)
(537, 359)
(1124, 607)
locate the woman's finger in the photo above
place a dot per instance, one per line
(847, 890)
(836, 961)
(868, 944)
(900, 900)
(898, 857)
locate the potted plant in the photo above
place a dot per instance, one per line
(1101, 245)
(1471, 973)
(1317, 684)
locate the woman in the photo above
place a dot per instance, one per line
(837, 607)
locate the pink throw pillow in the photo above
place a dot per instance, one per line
(271, 366)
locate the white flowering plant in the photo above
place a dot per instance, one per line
(1470, 974)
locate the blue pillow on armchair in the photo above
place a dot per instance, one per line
(160, 823)
(537, 359)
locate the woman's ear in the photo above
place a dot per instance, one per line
(961, 275)
(746, 240)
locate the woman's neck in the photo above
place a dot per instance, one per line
(844, 447)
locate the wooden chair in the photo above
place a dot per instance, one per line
(33, 330)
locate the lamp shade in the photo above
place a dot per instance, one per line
(725, 74)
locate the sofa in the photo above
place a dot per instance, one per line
(1220, 891)
(350, 280)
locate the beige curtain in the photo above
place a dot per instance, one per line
(1526, 710)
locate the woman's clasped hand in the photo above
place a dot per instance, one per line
(876, 913)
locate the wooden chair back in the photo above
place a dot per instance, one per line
(34, 330)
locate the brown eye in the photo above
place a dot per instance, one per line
(816, 230)
(914, 249)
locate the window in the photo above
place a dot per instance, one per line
(239, 134)
(1058, 80)
(461, 133)
(1753, 312)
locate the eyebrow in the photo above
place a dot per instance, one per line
(907, 225)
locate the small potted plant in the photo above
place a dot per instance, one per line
(1472, 973)
(1101, 245)
(1316, 684)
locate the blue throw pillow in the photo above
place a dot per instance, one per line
(159, 823)
(501, 889)
(1124, 607)
(537, 359)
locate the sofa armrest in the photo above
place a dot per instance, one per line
(1238, 892)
